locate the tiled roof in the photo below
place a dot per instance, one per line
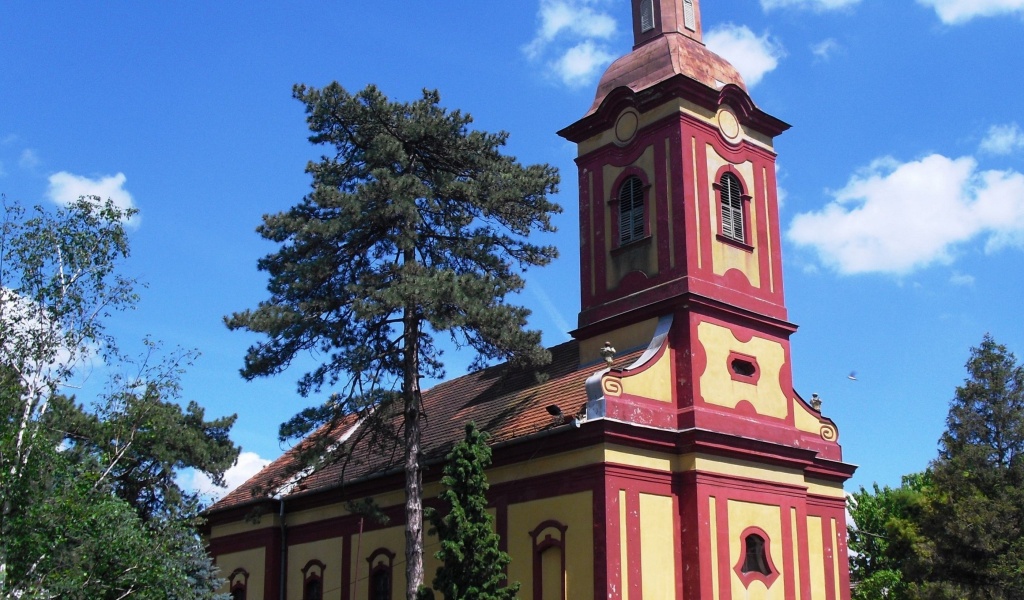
(506, 403)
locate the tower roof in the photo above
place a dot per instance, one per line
(667, 40)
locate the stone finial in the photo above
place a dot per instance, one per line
(608, 352)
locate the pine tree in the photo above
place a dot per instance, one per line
(969, 540)
(416, 226)
(473, 565)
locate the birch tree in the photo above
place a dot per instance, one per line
(59, 281)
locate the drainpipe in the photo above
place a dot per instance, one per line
(284, 551)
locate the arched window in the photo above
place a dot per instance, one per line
(314, 589)
(380, 584)
(238, 582)
(381, 563)
(631, 210)
(549, 561)
(755, 560)
(313, 580)
(731, 193)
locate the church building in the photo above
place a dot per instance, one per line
(666, 454)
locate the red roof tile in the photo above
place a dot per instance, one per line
(507, 403)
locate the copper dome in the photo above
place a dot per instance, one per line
(662, 58)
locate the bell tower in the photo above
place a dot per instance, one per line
(681, 253)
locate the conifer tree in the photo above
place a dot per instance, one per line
(416, 226)
(961, 535)
(969, 542)
(473, 565)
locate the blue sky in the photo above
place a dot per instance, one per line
(901, 179)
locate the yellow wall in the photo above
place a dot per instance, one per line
(726, 256)
(657, 547)
(716, 383)
(392, 538)
(657, 544)
(327, 552)
(769, 518)
(642, 257)
(816, 553)
(654, 382)
(675, 105)
(573, 510)
(623, 339)
(250, 560)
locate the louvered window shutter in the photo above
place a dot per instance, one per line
(689, 18)
(732, 207)
(646, 15)
(631, 210)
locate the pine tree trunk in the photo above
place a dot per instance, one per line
(413, 476)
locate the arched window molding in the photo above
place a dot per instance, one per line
(313, 580)
(238, 584)
(733, 210)
(755, 560)
(549, 536)
(381, 570)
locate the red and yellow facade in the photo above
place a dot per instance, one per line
(693, 470)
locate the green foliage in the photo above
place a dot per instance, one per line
(416, 226)
(59, 280)
(144, 437)
(882, 516)
(472, 564)
(88, 504)
(410, 209)
(972, 531)
(957, 532)
(67, 535)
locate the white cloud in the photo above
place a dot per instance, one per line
(752, 56)
(571, 39)
(899, 217)
(955, 12)
(575, 18)
(816, 5)
(29, 159)
(1003, 139)
(581, 63)
(781, 194)
(47, 354)
(247, 465)
(66, 187)
(962, 279)
(824, 49)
